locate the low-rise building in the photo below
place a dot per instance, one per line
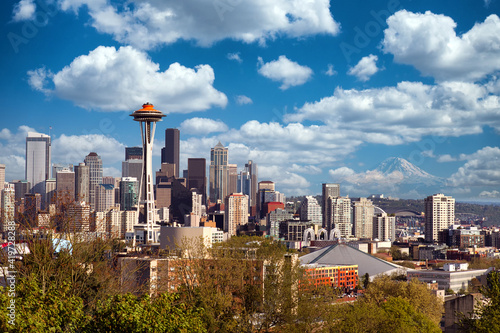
(338, 276)
(173, 237)
(454, 280)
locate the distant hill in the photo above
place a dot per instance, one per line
(491, 212)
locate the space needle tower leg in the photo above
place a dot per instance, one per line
(148, 117)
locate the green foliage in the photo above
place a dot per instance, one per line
(396, 254)
(394, 315)
(486, 316)
(416, 293)
(131, 314)
(57, 310)
(365, 280)
(54, 309)
(484, 263)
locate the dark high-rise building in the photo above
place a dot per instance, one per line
(218, 173)
(329, 190)
(38, 153)
(170, 153)
(65, 186)
(248, 182)
(32, 205)
(232, 179)
(82, 182)
(21, 187)
(129, 193)
(133, 153)
(197, 176)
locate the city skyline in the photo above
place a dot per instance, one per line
(318, 95)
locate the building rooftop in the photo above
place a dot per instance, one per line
(343, 254)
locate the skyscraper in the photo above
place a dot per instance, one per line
(439, 215)
(362, 216)
(232, 178)
(94, 162)
(310, 210)
(248, 183)
(384, 227)
(133, 153)
(50, 192)
(21, 187)
(170, 153)
(339, 215)
(2, 175)
(65, 186)
(218, 173)
(104, 197)
(82, 182)
(129, 193)
(236, 212)
(197, 176)
(38, 153)
(329, 190)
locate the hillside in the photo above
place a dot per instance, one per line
(490, 212)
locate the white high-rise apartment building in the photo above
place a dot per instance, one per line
(384, 227)
(38, 153)
(310, 210)
(439, 215)
(340, 215)
(362, 217)
(236, 212)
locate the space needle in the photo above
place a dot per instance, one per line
(148, 117)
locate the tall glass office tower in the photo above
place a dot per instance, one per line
(38, 153)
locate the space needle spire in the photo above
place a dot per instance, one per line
(148, 117)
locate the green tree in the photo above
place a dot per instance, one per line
(365, 280)
(131, 314)
(486, 316)
(394, 315)
(416, 293)
(54, 309)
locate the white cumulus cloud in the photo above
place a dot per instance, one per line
(406, 112)
(446, 158)
(72, 149)
(149, 23)
(202, 126)
(24, 10)
(330, 71)
(481, 169)
(490, 194)
(235, 56)
(242, 100)
(430, 43)
(108, 79)
(365, 68)
(283, 70)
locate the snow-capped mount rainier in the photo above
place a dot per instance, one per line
(411, 174)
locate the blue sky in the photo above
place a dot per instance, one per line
(312, 91)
